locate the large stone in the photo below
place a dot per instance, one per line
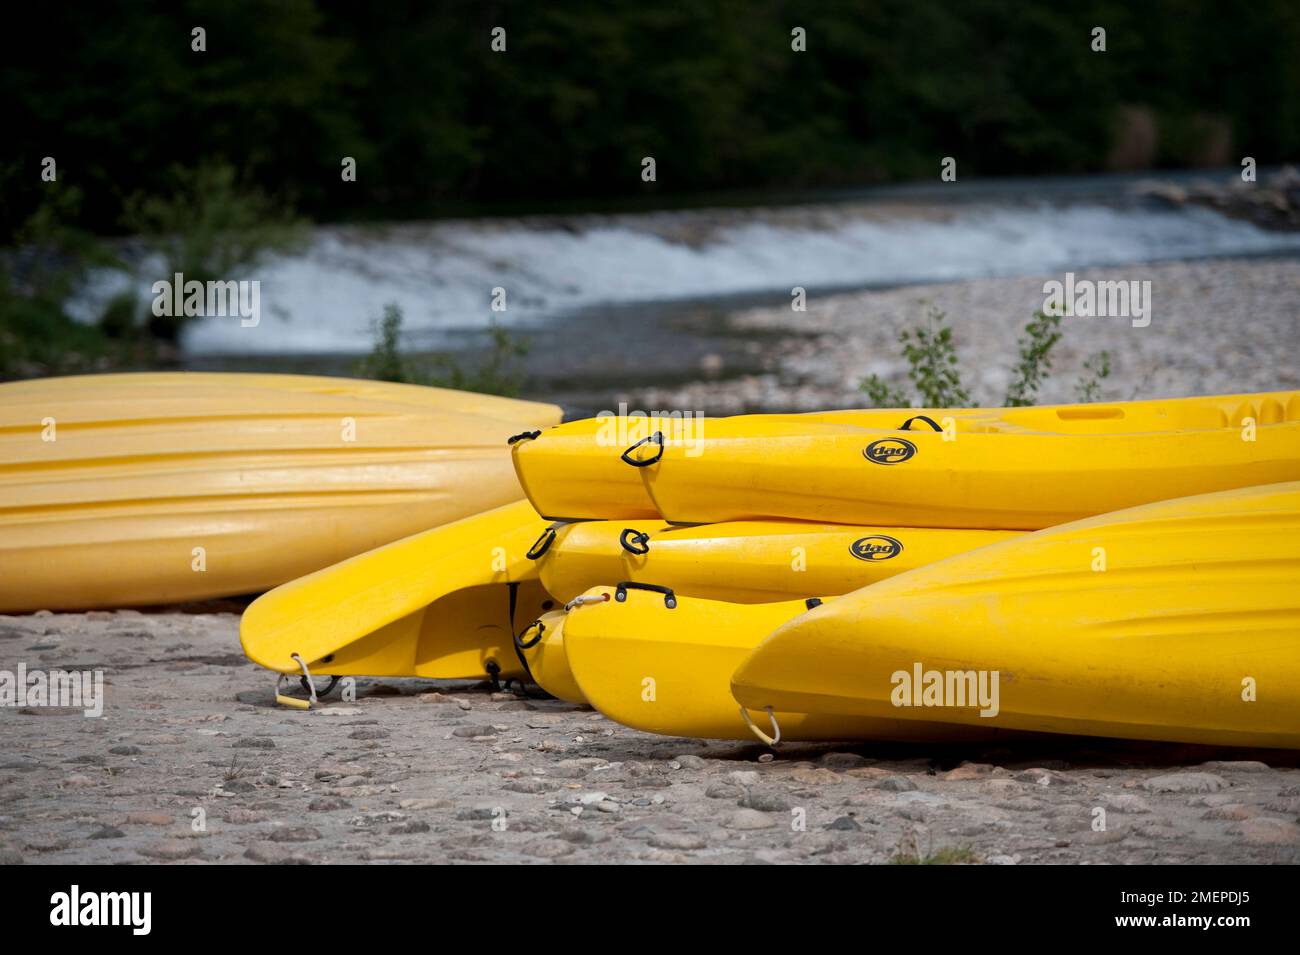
(766, 800)
(678, 841)
(1185, 783)
(295, 834)
(749, 819)
(1269, 832)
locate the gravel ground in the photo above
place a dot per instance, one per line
(1217, 326)
(416, 771)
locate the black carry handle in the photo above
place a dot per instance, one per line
(656, 438)
(620, 592)
(907, 425)
(522, 436)
(523, 644)
(634, 541)
(542, 544)
(813, 602)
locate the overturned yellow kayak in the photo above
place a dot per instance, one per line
(1030, 468)
(661, 663)
(142, 489)
(745, 561)
(1176, 621)
(444, 603)
(121, 395)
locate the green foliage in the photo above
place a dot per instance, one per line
(49, 259)
(496, 375)
(880, 394)
(38, 338)
(1096, 369)
(932, 359)
(932, 365)
(587, 88)
(120, 320)
(208, 227)
(1035, 359)
(385, 361)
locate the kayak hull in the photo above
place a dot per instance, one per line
(666, 670)
(745, 561)
(147, 489)
(1175, 621)
(1005, 475)
(441, 604)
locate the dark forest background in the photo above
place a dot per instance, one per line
(440, 124)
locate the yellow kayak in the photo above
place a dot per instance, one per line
(435, 605)
(610, 468)
(542, 644)
(745, 561)
(119, 394)
(1030, 468)
(661, 663)
(444, 603)
(1175, 621)
(142, 489)
(588, 468)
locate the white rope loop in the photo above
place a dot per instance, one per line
(586, 599)
(773, 740)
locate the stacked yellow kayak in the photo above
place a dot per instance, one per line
(1178, 620)
(839, 573)
(155, 488)
(1011, 468)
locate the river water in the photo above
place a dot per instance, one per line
(610, 300)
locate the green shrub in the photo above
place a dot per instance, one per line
(931, 357)
(932, 365)
(385, 361)
(48, 261)
(208, 227)
(1035, 361)
(1095, 370)
(496, 375)
(881, 395)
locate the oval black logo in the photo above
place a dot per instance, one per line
(876, 547)
(889, 451)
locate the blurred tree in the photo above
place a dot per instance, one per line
(438, 122)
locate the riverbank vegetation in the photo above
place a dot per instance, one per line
(934, 369)
(205, 134)
(439, 122)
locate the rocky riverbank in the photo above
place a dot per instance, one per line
(1217, 326)
(193, 763)
(1271, 203)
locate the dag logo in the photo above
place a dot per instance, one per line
(876, 547)
(889, 451)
